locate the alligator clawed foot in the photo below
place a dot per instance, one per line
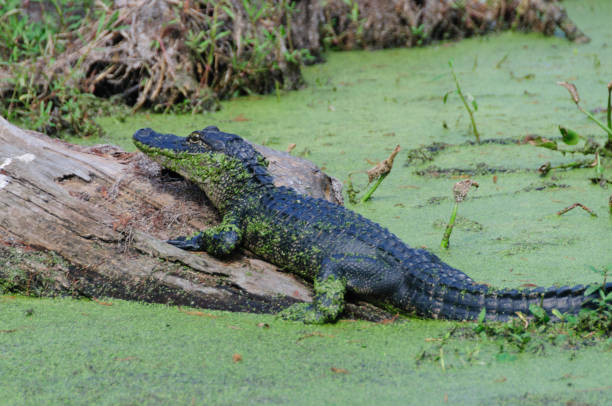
(189, 244)
(304, 312)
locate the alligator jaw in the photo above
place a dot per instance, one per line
(170, 145)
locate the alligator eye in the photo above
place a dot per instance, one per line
(194, 138)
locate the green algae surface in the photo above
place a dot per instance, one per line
(356, 107)
(64, 351)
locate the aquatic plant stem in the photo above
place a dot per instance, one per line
(460, 191)
(449, 227)
(573, 91)
(547, 167)
(599, 123)
(370, 192)
(465, 103)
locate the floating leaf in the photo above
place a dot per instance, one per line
(445, 98)
(570, 137)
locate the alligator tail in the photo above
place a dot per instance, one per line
(503, 304)
(459, 298)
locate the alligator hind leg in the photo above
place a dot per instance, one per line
(330, 287)
(218, 241)
(327, 304)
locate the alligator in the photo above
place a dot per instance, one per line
(340, 251)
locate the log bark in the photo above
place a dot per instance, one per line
(92, 221)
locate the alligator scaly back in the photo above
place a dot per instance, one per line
(336, 248)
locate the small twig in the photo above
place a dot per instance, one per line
(196, 313)
(143, 96)
(573, 206)
(105, 73)
(160, 81)
(314, 334)
(101, 302)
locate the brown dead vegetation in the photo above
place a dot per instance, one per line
(189, 54)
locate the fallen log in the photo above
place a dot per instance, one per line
(92, 221)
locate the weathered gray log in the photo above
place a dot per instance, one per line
(92, 222)
(58, 198)
(301, 175)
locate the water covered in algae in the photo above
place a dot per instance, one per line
(74, 352)
(355, 109)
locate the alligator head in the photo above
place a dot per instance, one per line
(221, 163)
(147, 139)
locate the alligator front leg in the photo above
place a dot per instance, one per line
(219, 241)
(327, 304)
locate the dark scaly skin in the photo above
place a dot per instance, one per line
(336, 248)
